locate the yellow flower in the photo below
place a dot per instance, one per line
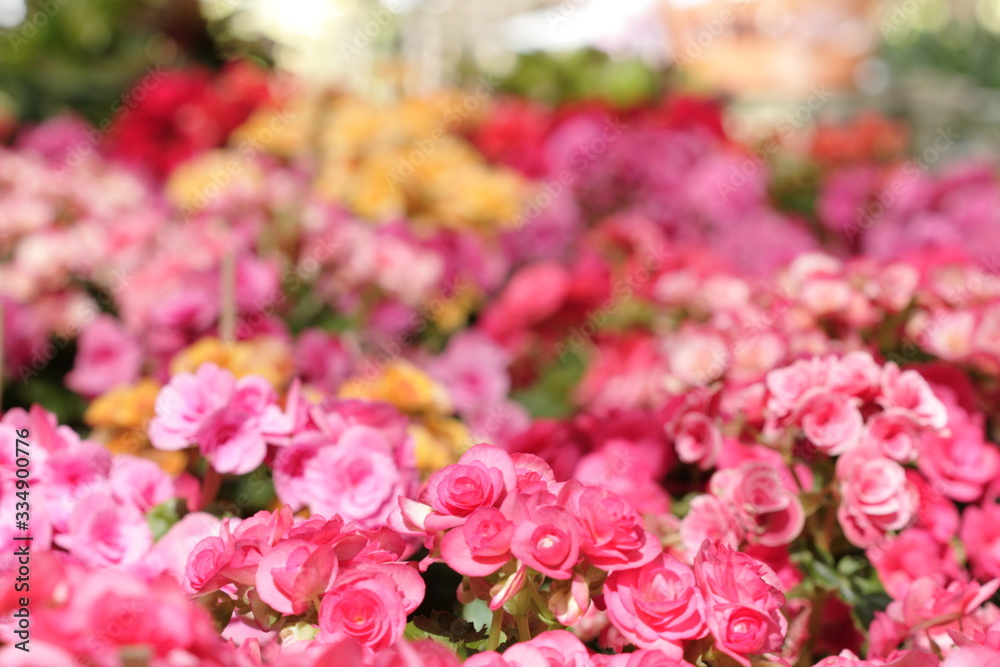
(404, 385)
(266, 356)
(287, 132)
(120, 419)
(123, 407)
(438, 441)
(408, 160)
(193, 184)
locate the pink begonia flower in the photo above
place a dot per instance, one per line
(763, 500)
(170, 553)
(909, 391)
(187, 402)
(622, 467)
(709, 518)
(937, 515)
(912, 555)
(961, 464)
(929, 604)
(569, 599)
(743, 599)
(290, 465)
(831, 421)
(697, 439)
(483, 477)
(876, 495)
(546, 539)
(420, 653)
(103, 532)
(657, 606)
(474, 370)
(229, 419)
(895, 433)
(322, 360)
(973, 656)
(234, 555)
(640, 658)
(357, 478)
(612, 535)
(856, 374)
(480, 546)
(107, 356)
(80, 468)
(981, 536)
(139, 482)
(554, 648)
(371, 606)
(294, 573)
(789, 386)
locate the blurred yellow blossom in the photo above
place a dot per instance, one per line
(404, 385)
(120, 419)
(266, 356)
(193, 184)
(389, 161)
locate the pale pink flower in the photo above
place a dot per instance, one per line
(139, 482)
(107, 356)
(187, 402)
(103, 532)
(909, 391)
(876, 495)
(357, 478)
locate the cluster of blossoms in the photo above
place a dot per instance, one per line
(291, 575)
(715, 438)
(349, 458)
(83, 501)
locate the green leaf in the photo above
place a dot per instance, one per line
(443, 624)
(163, 516)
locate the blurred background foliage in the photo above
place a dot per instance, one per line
(936, 62)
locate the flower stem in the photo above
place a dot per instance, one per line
(495, 627)
(523, 631)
